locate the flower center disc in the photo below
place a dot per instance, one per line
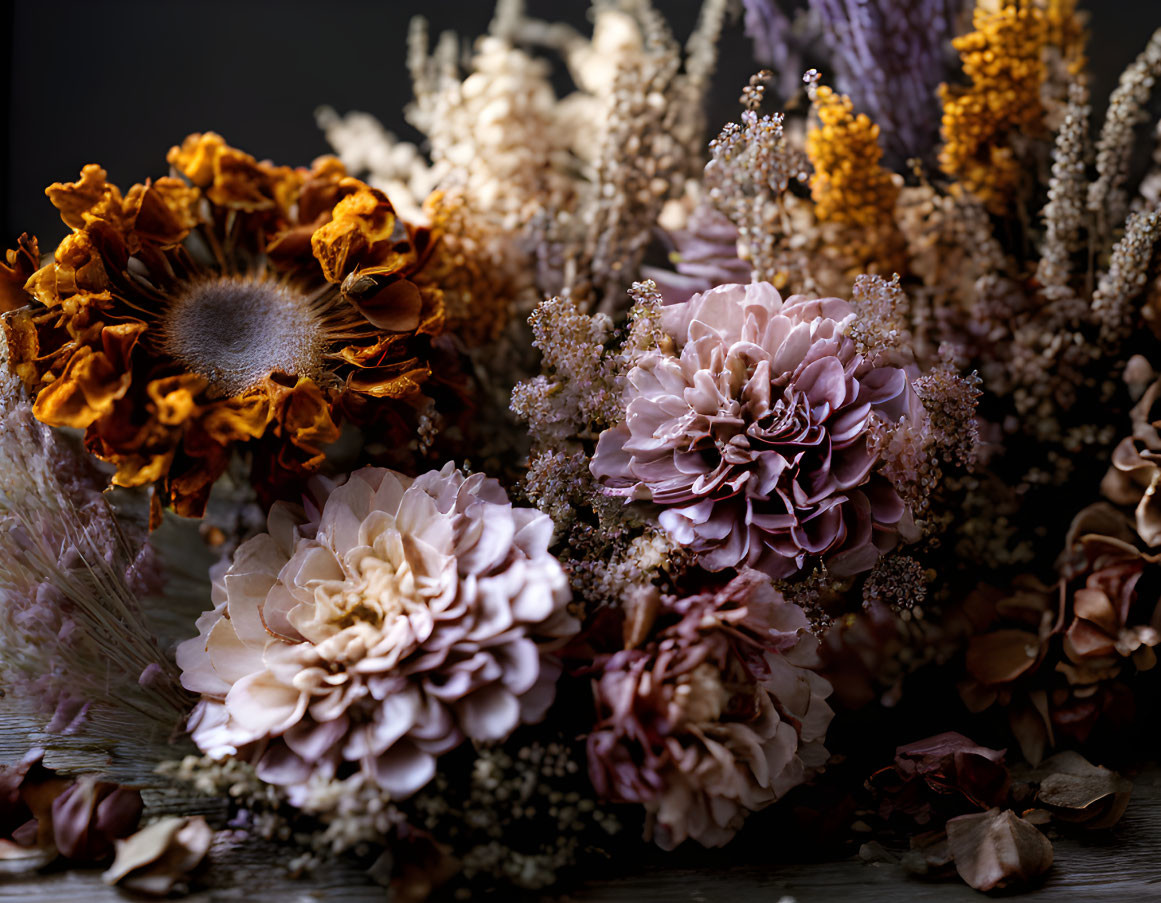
(236, 332)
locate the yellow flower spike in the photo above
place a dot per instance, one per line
(1004, 60)
(849, 186)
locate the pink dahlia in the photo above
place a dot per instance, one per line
(752, 435)
(381, 628)
(719, 715)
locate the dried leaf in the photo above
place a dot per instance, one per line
(997, 848)
(1077, 791)
(158, 858)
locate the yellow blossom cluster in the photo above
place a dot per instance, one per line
(1003, 60)
(849, 185)
(1066, 31)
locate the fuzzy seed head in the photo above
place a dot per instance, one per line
(237, 331)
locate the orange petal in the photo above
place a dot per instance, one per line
(374, 383)
(22, 262)
(140, 470)
(359, 222)
(306, 417)
(87, 389)
(239, 419)
(164, 211)
(173, 398)
(75, 199)
(196, 157)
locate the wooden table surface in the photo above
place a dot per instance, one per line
(1120, 865)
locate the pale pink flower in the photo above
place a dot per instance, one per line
(752, 435)
(382, 628)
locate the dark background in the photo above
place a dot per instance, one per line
(118, 82)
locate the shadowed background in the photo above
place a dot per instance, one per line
(120, 81)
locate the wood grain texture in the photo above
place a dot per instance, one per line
(1119, 865)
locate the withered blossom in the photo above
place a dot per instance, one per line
(1057, 656)
(751, 435)
(378, 629)
(717, 715)
(234, 302)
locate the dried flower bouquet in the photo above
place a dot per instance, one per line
(572, 485)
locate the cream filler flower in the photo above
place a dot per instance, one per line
(382, 628)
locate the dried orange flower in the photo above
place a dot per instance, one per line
(1003, 59)
(232, 302)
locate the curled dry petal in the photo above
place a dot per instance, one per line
(160, 857)
(997, 849)
(1075, 790)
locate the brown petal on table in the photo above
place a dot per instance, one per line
(1075, 790)
(997, 848)
(157, 858)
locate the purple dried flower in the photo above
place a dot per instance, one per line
(890, 58)
(752, 436)
(705, 254)
(72, 629)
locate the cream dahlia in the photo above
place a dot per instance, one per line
(752, 435)
(380, 628)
